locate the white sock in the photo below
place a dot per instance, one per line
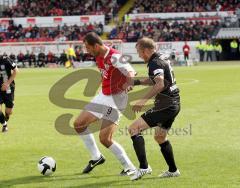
(121, 155)
(90, 144)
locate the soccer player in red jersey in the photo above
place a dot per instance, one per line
(107, 106)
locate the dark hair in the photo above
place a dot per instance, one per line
(92, 38)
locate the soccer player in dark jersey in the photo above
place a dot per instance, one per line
(161, 116)
(8, 71)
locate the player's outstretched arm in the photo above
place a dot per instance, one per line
(146, 81)
(157, 88)
(129, 82)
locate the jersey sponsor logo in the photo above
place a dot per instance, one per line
(158, 71)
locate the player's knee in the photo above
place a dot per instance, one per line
(106, 141)
(160, 138)
(9, 111)
(132, 130)
(79, 125)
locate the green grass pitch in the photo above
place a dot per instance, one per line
(205, 135)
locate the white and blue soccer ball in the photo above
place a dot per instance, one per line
(47, 166)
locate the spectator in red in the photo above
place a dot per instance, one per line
(186, 51)
(20, 59)
(50, 58)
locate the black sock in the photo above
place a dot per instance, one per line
(6, 117)
(2, 118)
(139, 147)
(167, 151)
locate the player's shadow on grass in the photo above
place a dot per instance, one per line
(36, 179)
(44, 179)
(115, 183)
(92, 175)
(26, 180)
(118, 182)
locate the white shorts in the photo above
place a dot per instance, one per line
(109, 107)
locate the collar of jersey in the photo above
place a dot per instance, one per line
(152, 57)
(106, 54)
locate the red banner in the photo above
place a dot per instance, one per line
(84, 19)
(31, 20)
(57, 20)
(4, 22)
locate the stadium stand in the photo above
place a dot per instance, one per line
(228, 33)
(33, 8)
(165, 30)
(158, 6)
(196, 20)
(16, 33)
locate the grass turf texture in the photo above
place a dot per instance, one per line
(205, 137)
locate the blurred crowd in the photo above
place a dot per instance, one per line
(42, 59)
(32, 8)
(159, 30)
(157, 6)
(16, 33)
(165, 30)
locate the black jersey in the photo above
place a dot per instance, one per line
(159, 64)
(6, 67)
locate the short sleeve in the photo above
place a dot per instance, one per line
(11, 63)
(121, 63)
(156, 69)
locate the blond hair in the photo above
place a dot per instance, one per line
(146, 42)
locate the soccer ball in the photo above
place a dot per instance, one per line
(46, 166)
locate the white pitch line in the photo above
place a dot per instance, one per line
(189, 81)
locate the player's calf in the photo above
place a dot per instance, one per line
(3, 122)
(105, 140)
(7, 117)
(8, 111)
(160, 137)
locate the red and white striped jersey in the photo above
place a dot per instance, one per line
(114, 70)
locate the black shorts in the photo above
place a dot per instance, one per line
(163, 118)
(7, 98)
